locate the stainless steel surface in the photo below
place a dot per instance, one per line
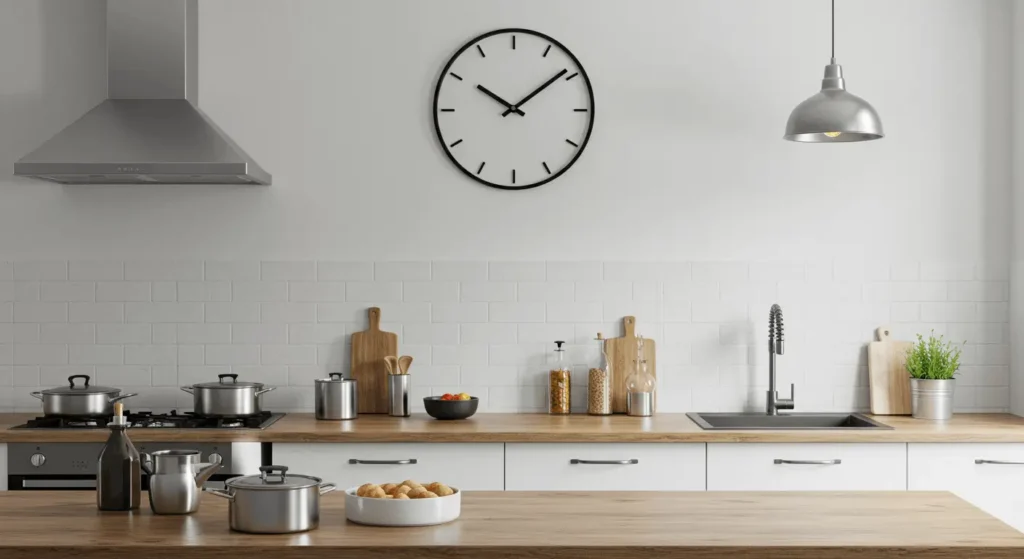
(776, 346)
(759, 421)
(80, 458)
(398, 395)
(833, 114)
(80, 399)
(932, 399)
(640, 404)
(58, 484)
(227, 397)
(833, 462)
(383, 462)
(150, 130)
(271, 504)
(335, 398)
(37, 460)
(998, 462)
(176, 480)
(629, 462)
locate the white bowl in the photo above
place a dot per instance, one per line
(402, 512)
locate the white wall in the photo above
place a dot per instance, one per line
(686, 162)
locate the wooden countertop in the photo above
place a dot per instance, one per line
(663, 428)
(40, 525)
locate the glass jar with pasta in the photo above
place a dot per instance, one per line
(560, 383)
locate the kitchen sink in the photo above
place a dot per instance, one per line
(790, 421)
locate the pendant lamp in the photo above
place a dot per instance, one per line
(833, 114)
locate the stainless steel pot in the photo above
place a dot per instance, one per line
(80, 399)
(274, 502)
(335, 397)
(227, 397)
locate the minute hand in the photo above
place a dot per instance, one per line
(536, 91)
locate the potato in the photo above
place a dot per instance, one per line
(411, 483)
(388, 487)
(400, 497)
(375, 493)
(427, 495)
(417, 493)
(361, 492)
(443, 490)
(401, 490)
(388, 497)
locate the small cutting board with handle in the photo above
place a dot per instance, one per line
(622, 359)
(889, 379)
(369, 348)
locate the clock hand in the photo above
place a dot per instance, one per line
(536, 91)
(509, 106)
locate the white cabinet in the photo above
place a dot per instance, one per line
(807, 467)
(604, 467)
(469, 466)
(990, 476)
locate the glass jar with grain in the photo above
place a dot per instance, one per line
(599, 396)
(560, 383)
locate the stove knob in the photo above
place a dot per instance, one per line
(37, 459)
(214, 457)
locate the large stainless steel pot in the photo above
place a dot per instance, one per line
(227, 397)
(80, 399)
(274, 502)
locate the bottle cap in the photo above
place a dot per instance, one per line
(559, 344)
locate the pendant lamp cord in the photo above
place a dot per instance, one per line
(833, 31)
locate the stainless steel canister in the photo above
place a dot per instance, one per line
(640, 404)
(335, 397)
(398, 395)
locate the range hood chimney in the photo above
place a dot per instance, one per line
(150, 129)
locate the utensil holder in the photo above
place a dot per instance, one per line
(398, 395)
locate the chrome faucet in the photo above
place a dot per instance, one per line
(775, 347)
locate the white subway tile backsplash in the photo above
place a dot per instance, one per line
(486, 292)
(204, 333)
(318, 333)
(574, 271)
(905, 271)
(150, 355)
(712, 311)
(575, 312)
(993, 312)
(532, 334)
(431, 292)
(777, 271)
(123, 291)
(303, 291)
(485, 334)
(40, 312)
(918, 291)
(459, 312)
(232, 312)
(344, 271)
(95, 312)
(95, 270)
(288, 271)
(203, 291)
(94, 354)
(165, 291)
(691, 291)
(163, 312)
(721, 271)
(39, 270)
(947, 271)
(545, 292)
(464, 355)
(124, 333)
(459, 271)
(287, 354)
(429, 334)
(516, 312)
(67, 333)
(26, 291)
(400, 313)
(401, 271)
(226, 270)
(67, 291)
(271, 313)
(949, 312)
(978, 291)
(232, 354)
(257, 333)
(261, 291)
(124, 375)
(191, 354)
(517, 271)
(163, 270)
(374, 292)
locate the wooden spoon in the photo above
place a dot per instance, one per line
(391, 364)
(404, 362)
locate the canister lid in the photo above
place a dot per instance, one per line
(274, 478)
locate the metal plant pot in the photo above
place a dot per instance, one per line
(932, 399)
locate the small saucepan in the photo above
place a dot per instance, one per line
(80, 399)
(274, 502)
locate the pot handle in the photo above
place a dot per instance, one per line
(221, 493)
(326, 488)
(187, 389)
(36, 395)
(232, 376)
(71, 380)
(265, 389)
(337, 376)
(146, 462)
(122, 397)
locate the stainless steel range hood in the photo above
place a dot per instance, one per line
(149, 130)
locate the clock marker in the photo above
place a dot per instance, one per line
(447, 110)
(513, 176)
(545, 55)
(570, 142)
(481, 51)
(545, 164)
(513, 42)
(572, 76)
(456, 76)
(459, 141)
(579, 110)
(479, 170)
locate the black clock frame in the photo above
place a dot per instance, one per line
(468, 45)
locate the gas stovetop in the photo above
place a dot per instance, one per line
(150, 420)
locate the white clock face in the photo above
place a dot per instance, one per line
(514, 109)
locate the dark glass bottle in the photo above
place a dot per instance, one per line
(119, 473)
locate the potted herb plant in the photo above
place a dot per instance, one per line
(932, 364)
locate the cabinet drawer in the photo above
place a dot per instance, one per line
(604, 467)
(469, 466)
(989, 476)
(807, 467)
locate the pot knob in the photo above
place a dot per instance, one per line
(214, 457)
(37, 459)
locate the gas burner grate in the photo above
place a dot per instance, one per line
(150, 420)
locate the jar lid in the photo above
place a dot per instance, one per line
(336, 378)
(274, 478)
(228, 381)
(81, 388)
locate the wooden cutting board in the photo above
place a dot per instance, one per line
(622, 356)
(889, 379)
(369, 348)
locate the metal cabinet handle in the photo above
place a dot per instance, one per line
(383, 462)
(833, 462)
(605, 462)
(998, 462)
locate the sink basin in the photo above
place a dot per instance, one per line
(790, 421)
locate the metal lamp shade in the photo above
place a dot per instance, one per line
(833, 114)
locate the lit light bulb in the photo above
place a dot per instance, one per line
(833, 134)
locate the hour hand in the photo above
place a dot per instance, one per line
(511, 108)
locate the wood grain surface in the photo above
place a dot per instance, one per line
(889, 380)
(59, 524)
(543, 428)
(369, 348)
(622, 359)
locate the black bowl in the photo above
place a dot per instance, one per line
(450, 409)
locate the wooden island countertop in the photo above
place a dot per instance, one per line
(59, 524)
(541, 428)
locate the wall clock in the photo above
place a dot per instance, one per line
(513, 109)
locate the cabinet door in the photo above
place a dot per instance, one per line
(988, 475)
(807, 467)
(604, 467)
(468, 466)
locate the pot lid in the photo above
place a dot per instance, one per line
(274, 478)
(228, 381)
(336, 377)
(82, 387)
